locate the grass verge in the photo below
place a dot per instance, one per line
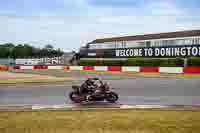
(34, 80)
(20, 78)
(101, 121)
(143, 74)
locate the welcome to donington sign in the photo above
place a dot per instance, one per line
(175, 51)
(183, 51)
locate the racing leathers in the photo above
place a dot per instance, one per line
(98, 90)
(88, 86)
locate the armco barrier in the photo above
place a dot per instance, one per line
(130, 69)
(27, 67)
(100, 68)
(67, 68)
(55, 67)
(76, 68)
(17, 67)
(149, 69)
(88, 67)
(115, 68)
(170, 69)
(40, 67)
(4, 68)
(191, 69)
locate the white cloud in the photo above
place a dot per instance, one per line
(72, 29)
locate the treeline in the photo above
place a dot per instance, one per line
(10, 50)
(167, 62)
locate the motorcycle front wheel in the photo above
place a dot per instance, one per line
(112, 97)
(75, 97)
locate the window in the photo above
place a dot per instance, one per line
(180, 42)
(197, 41)
(124, 44)
(118, 45)
(92, 46)
(155, 43)
(171, 42)
(132, 44)
(98, 46)
(193, 41)
(142, 44)
(160, 43)
(148, 44)
(188, 41)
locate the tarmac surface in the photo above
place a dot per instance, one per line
(135, 91)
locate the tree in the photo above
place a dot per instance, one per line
(4, 52)
(18, 51)
(9, 45)
(27, 51)
(36, 52)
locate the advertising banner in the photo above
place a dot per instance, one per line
(173, 51)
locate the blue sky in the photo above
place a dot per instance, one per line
(69, 24)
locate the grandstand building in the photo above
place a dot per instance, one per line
(160, 45)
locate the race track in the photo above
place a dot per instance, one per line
(157, 91)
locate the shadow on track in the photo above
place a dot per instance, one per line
(96, 105)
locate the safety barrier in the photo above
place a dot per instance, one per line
(131, 69)
(40, 67)
(88, 67)
(4, 68)
(55, 67)
(149, 69)
(191, 69)
(113, 68)
(100, 68)
(67, 68)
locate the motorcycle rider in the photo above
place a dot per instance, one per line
(98, 88)
(88, 86)
(93, 89)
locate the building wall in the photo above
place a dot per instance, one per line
(7, 61)
(147, 43)
(41, 61)
(62, 60)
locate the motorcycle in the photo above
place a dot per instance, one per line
(106, 94)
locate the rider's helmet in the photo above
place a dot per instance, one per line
(89, 82)
(106, 85)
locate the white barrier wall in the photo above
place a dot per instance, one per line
(56, 67)
(123, 69)
(27, 61)
(130, 69)
(36, 61)
(76, 68)
(100, 68)
(27, 67)
(170, 69)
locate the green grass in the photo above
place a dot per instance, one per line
(101, 121)
(32, 80)
(35, 79)
(142, 74)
